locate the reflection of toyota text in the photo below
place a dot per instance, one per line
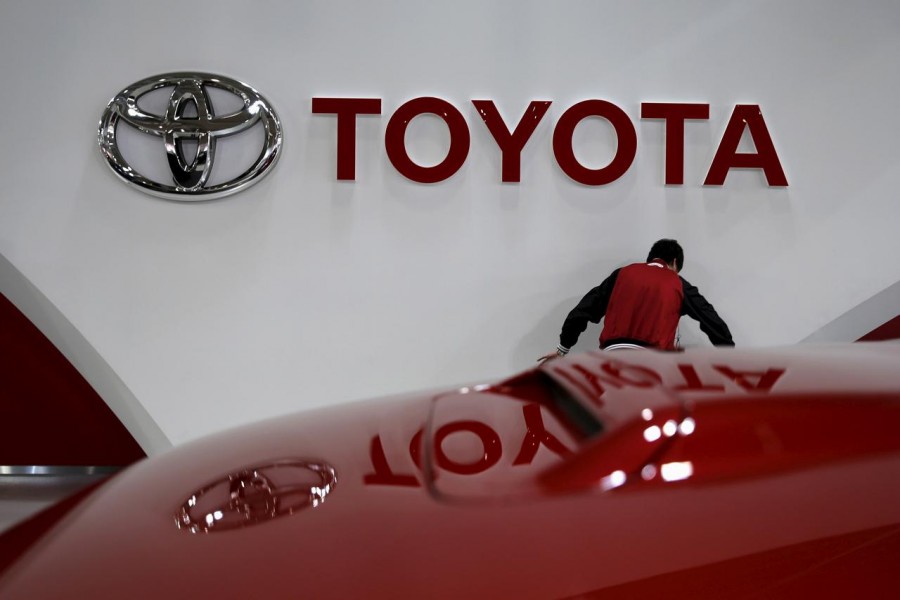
(618, 375)
(256, 494)
(535, 436)
(490, 434)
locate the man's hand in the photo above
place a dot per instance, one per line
(546, 357)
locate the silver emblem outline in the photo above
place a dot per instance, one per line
(204, 129)
(253, 498)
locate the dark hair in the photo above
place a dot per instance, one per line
(667, 250)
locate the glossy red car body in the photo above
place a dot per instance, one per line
(712, 473)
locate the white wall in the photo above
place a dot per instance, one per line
(304, 291)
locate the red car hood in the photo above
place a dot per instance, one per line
(781, 463)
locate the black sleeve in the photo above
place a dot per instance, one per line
(696, 307)
(591, 308)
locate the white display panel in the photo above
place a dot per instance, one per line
(305, 291)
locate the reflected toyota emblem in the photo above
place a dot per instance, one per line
(189, 117)
(254, 495)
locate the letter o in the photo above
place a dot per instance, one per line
(493, 450)
(395, 143)
(565, 154)
(641, 377)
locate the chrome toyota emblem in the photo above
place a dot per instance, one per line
(190, 175)
(254, 495)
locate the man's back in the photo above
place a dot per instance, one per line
(644, 307)
(642, 304)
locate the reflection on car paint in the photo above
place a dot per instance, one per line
(769, 473)
(536, 436)
(615, 374)
(591, 382)
(254, 495)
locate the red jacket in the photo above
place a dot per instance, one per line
(643, 303)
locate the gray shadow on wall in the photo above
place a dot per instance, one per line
(544, 335)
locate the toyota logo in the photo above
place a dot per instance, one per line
(254, 495)
(190, 173)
